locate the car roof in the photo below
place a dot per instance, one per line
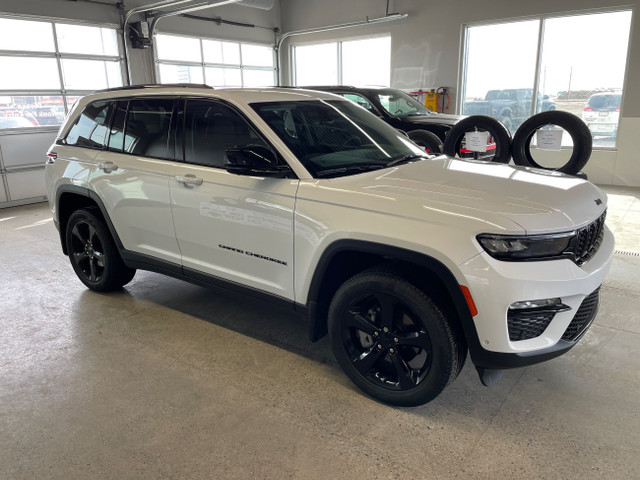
(239, 95)
(344, 87)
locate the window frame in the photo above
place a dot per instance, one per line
(464, 51)
(204, 64)
(59, 57)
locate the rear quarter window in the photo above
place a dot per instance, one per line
(91, 128)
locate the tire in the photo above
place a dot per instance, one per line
(579, 131)
(93, 253)
(428, 140)
(498, 131)
(412, 361)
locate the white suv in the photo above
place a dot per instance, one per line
(602, 113)
(305, 198)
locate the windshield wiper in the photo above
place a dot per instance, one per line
(405, 159)
(352, 168)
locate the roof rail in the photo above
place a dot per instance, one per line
(155, 85)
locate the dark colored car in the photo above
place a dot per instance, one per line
(397, 108)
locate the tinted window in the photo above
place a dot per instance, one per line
(359, 99)
(399, 103)
(147, 129)
(210, 129)
(605, 102)
(116, 136)
(92, 126)
(334, 138)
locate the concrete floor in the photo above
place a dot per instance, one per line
(168, 380)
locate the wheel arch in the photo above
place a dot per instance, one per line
(70, 198)
(344, 258)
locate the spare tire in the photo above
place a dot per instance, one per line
(500, 134)
(579, 131)
(428, 140)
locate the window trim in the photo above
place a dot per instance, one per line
(542, 18)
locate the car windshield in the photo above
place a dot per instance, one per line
(401, 104)
(336, 137)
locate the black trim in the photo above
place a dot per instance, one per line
(147, 262)
(84, 192)
(498, 361)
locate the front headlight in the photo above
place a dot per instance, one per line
(526, 247)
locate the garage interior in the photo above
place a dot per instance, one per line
(170, 380)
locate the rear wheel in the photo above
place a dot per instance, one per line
(93, 253)
(392, 340)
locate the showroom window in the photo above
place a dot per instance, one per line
(575, 63)
(217, 63)
(363, 62)
(46, 66)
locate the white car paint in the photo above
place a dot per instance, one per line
(435, 207)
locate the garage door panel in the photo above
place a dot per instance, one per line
(25, 149)
(28, 184)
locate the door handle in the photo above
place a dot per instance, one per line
(108, 167)
(189, 180)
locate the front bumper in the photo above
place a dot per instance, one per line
(495, 285)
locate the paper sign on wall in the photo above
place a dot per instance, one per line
(476, 141)
(549, 139)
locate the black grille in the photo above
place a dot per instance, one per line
(583, 317)
(587, 240)
(524, 325)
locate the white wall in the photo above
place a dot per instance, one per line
(425, 52)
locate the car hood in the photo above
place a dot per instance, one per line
(538, 201)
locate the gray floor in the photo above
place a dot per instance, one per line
(169, 380)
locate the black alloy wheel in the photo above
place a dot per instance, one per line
(392, 340)
(93, 254)
(87, 251)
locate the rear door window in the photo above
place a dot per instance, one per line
(148, 125)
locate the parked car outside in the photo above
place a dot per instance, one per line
(602, 113)
(408, 261)
(512, 106)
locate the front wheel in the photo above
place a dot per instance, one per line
(93, 253)
(391, 339)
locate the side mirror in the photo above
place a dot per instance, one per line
(254, 160)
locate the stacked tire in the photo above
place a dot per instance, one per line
(519, 148)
